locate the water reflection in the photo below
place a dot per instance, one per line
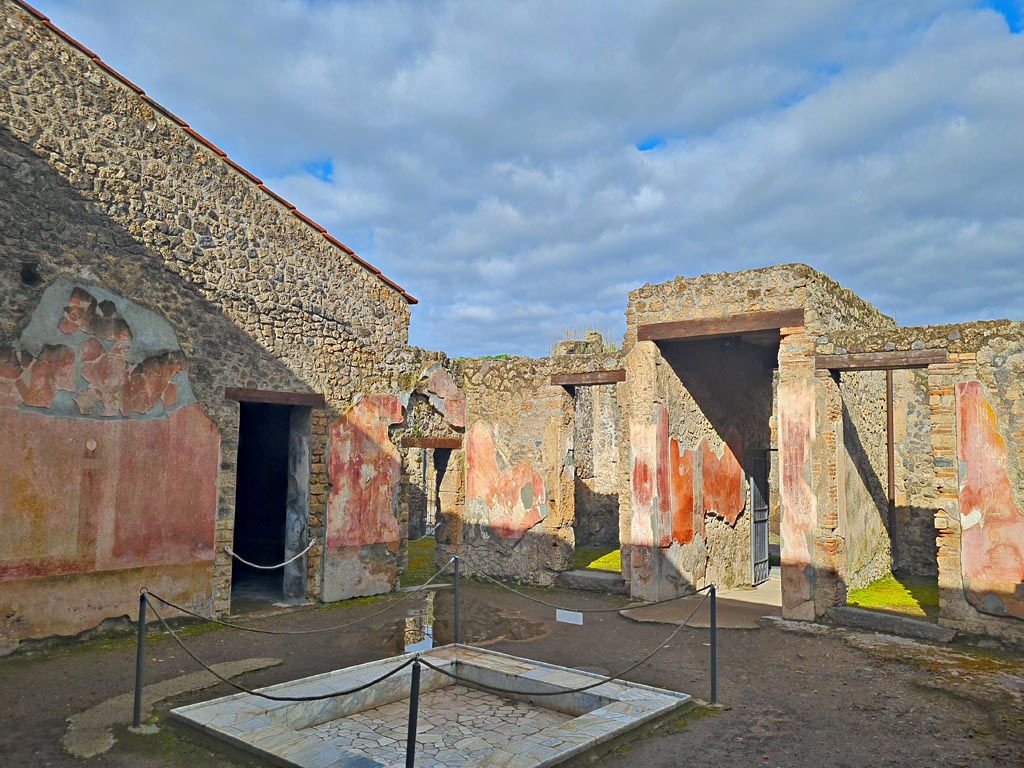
(419, 626)
(429, 623)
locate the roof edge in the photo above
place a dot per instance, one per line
(250, 177)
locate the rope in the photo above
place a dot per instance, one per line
(252, 692)
(602, 681)
(290, 560)
(590, 610)
(244, 628)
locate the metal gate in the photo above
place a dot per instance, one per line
(757, 477)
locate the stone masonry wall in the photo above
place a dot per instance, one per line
(103, 188)
(977, 459)
(864, 502)
(595, 458)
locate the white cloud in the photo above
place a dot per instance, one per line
(484, 152)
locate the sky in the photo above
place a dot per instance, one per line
(519, 167)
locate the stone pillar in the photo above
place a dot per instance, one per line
(228, 419)
(296, 536)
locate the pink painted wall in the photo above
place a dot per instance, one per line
(992, 525)
(109, 468)
(796, 434)
(511, 501)
(365, 469)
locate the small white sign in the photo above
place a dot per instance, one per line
(569, 617)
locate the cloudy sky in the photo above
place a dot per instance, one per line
(521, 166)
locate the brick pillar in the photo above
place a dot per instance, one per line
(942, 380)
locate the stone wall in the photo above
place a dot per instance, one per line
(863, 489)
(914, 538)
(975, 431)
(101, 188)
(595, 459)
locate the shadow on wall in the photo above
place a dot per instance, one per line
(596, 523)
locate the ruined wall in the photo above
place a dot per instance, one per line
(863, 488)
(595, 459)
(100, 187)
(519, 489)
(697, 409)
(977, 457)
(809, 409)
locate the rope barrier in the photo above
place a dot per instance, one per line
(242, 688)
(602, 681)
(290, 560)
(588, 610)
(258, 630)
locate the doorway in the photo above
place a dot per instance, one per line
(271, 503)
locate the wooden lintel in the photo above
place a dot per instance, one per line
(730, 325)
(881, 361)
(431, 442)
(241, 395)
(591, 377)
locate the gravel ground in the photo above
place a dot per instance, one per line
(792, 695)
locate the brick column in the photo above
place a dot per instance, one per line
(942, 380)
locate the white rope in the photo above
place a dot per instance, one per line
(241, 559)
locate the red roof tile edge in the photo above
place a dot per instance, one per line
(213, 148)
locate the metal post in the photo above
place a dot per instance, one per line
(140, 660)
(457, 581)
(714, 646)
(414, 711)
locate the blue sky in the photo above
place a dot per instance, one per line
(519, 167)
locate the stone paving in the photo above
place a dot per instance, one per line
(456, 726)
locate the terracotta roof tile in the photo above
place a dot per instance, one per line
(219, 152)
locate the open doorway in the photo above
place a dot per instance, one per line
(271, 503)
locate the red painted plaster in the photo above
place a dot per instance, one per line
(146, 494)
(722, 480)
(511, 502)
(992, 525)
(683, 528)
(443, 385)
(99, 319)
(365, 469)
(53, 370)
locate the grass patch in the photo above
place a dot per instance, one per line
(421, 562)
(599, 559)
(914, 596)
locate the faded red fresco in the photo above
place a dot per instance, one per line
(992, 525)
(682, 494)
(510, 502)
(365, 470)
(722, 479)
(103, 340)
(442, 385)
(664, 485)
(796, 432)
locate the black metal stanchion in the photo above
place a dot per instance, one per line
(457, 595)
(714, 646)
(140, 661)
(414, 711)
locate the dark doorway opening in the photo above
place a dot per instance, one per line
(261, 498)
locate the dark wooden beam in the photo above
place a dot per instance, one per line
(881, 361)
(431, 442)
(308, 399)
(584, 379)
(730, 325)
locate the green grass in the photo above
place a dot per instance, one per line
(421, 562)
(599, 559)
(914, 596)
